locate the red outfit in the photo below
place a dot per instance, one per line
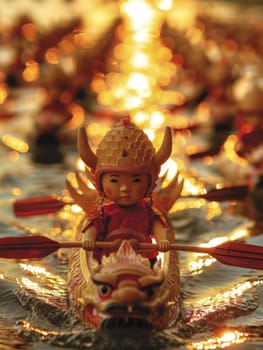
(126, 222)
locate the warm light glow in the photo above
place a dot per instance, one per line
(170, 168)
(140, 67)
(97, 130)
(75, 208)
(229, 338)
(3, 92)
(133, 102)
(15, 143)
(140, 83)
(29, 31)
(182, 14)
(171, 98)
(52, 55)
(204, 113)
(164, 4)
(67, 43)
(140, 118)
(140, 60)
(98, 83)
(194, 35)
(82, 40)
(239, 233)
(157, 119)
(230, 149)
(192, 186)
(139, 12)
(214, 209)
(16, 191)
(78, 116)
(104, 13)
(31, 72)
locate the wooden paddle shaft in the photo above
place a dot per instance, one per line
(136, 245)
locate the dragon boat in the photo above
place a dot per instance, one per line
(124, 289)
(129, 204)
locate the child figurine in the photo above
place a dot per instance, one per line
(125, 170)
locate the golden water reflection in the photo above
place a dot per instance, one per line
(209, 305)
(140, 65)
(43, 333)
(224, 340)
(198, 262)
(44, 284)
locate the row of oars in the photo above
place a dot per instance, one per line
(36, 247)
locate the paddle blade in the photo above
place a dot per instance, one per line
(239, 254)
(227, 193)
(209, 152)
(27, 247)
(37, 206)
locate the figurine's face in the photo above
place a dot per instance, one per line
(125, 189)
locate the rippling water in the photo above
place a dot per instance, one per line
(220, 304)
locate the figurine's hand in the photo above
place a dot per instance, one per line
(163, 245)
(134, 243)
(89, 244)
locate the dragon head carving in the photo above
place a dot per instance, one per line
(124, 286)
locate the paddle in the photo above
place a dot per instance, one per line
(209, 152)
(37, 247)
(50, 204)
(226, 193)
(38, 205)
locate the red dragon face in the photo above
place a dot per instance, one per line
(124, 287)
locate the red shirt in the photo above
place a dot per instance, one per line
(126, 222)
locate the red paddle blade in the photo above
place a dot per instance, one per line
(212, 151)
(239, 254)
(37, 206)
(6, 115)
(27, 247)
(227, 193)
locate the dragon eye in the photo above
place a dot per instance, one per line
(150, 291)
(104, 290)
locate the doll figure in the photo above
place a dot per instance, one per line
(125, 170)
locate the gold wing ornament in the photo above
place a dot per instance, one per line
(165, 197)
(84, 196)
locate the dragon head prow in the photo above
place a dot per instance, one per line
(126, 260)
